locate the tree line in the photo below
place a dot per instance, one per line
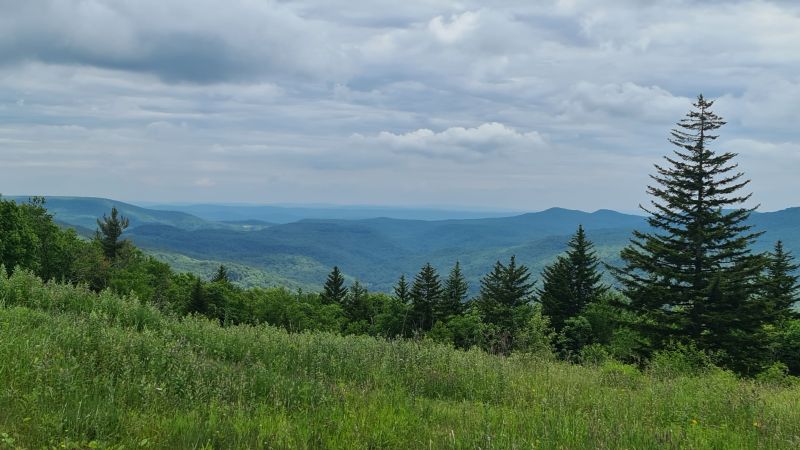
(690, 285)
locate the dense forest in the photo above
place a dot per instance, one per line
(691, 287)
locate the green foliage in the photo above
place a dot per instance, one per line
(426, 294)
(109, 231)
(777, 374)
(83, 370)
(536, 337)
(694, 277)
(402, 291)
(221, 275)
(504, 302)
(454, 295)
(334, 290)
(572, 282)
(680, 360)
(30, 239)
(780, 285)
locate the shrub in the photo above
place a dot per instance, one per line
(777, 375)
(680, 360)
(617, 374)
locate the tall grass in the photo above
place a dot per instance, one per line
(84, 370)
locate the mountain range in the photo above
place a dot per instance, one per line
(260, 250)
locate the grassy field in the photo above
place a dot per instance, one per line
(79, 370)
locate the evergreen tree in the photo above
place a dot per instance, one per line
(401, 290)
(109, 230)
(221, 275)
(504, 291)
(426, 292)
(694, 272)
(334, 290)
(780, 286)
(455, 292)
(356, 304)
(572, 282)
(198, 302)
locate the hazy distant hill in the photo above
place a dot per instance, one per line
(376, 250)
(287, 214)
(84, 211)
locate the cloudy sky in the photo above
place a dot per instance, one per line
(505, 104)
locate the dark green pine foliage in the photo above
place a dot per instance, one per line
(356, 303)
(505, 291)
(693, 276)
(453, 296)
(426, 293)
(109, 230)
(198, 301)
(571, 282)
(402, 290)
(334, 290)
(780, 285)
(221, 275)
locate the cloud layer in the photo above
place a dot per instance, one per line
(506, 104)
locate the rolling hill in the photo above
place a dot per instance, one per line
(375, 250)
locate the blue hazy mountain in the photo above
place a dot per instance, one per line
(287, 214)
(373, 250)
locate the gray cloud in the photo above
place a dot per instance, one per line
(437, 101)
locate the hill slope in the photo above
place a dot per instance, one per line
(84, 370)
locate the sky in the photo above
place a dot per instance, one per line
(512, 105)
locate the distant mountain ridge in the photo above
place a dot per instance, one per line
(377, 250)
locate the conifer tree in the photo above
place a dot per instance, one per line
(198, 301)
(109, 230)
(221, 275)
(356, 306)
(334, 290)
(504, 291)
(780, 285)
(401, 290)
(572, 282)
(453, 296)
(693, 276)
(426, 292)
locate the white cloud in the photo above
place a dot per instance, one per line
(458, 143)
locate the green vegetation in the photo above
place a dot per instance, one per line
(87, 370)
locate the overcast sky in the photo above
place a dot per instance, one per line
(504, 104)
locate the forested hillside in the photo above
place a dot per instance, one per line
(374, 251)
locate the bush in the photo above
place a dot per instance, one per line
(594, 355)
(617, 374)
(777, 375)
(680, 360)
(537, 336)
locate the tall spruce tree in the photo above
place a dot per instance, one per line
(504, 291)
(780, 285)
(198, 301)
(356, 303)
(221, 275)
(453, 296)
(402, 290)
(109, 230)
(571, 282)
(426, 293)
(334, 290)
(693, 276)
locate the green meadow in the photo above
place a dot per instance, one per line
(86, 370)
